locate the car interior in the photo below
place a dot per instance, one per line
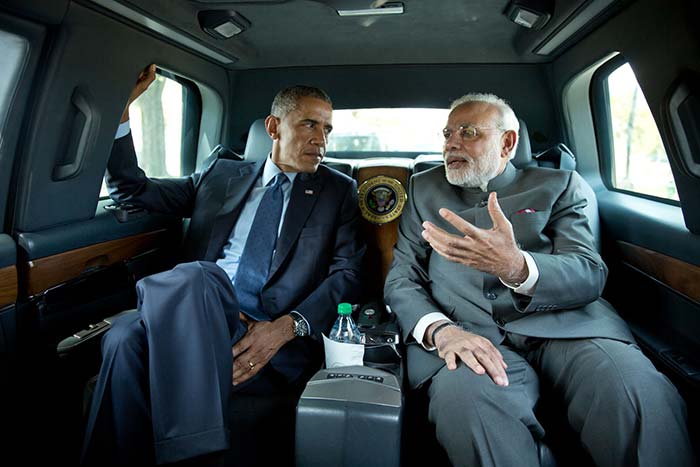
(609, 88)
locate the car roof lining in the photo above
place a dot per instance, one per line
(310, 32)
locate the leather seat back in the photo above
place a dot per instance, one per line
(259, 143)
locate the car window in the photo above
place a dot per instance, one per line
(15, 50)
(638, 162)
(157, 119)
(387, 130)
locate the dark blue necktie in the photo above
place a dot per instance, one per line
(257, 254)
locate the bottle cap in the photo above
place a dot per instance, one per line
(344, 309)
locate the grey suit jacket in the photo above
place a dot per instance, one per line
(318, 253)
(566, 302)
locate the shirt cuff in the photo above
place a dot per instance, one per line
(422, 325)
(533, 275)
(123, 130)
(308, 326)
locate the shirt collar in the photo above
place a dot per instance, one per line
(271, 170)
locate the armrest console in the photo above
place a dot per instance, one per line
(350, 416)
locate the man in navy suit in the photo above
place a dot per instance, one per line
(238, 315)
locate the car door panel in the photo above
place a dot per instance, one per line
(8, 295)
(79, 273)
(8, 271)
(654, 283)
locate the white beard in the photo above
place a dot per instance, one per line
(478, 172)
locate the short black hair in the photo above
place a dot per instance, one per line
(286, 100)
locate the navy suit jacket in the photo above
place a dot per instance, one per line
(318, 253)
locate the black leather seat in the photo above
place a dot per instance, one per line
(259, 144)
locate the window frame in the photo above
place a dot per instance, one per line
(602, 124)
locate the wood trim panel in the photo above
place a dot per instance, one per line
(380, 239)
(49, 271)
(682, 277)
(8, 285)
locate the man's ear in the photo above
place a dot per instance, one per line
(272, 126)
(508, 142)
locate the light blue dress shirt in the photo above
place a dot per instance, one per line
(239, 234)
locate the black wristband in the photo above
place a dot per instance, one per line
(440, 328)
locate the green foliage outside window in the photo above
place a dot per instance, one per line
(640, 163)
(156, 119)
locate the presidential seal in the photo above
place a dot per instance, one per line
(382, 199)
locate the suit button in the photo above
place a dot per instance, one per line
(500, 322)
(491, 296)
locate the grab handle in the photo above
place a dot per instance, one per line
(82, 136)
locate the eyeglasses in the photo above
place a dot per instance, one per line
(467, 132)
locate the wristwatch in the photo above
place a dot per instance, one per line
(301, 327)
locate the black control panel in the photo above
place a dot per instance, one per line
(376, 379)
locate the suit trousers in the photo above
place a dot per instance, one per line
(164, 387)
(625, 411)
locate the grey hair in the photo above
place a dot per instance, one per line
(508, 120)
(287, 99)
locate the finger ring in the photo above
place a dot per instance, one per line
(251, 365)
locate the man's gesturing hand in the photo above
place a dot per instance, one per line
(493, 251)
(476, 352)
(257, 347)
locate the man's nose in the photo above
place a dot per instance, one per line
(454, 141)
(319, 137)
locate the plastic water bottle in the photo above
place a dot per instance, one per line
(344, 329)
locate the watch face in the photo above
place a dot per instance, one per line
(300, 328)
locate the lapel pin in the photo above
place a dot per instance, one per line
(526, 211)
(308, 192)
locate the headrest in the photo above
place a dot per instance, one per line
(558, 157)
(259, 143)
(523, 153)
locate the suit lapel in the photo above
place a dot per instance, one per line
(237, 189)
(305, 192)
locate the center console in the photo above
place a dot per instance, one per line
(352, 415)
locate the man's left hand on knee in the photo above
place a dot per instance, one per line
(257, 347)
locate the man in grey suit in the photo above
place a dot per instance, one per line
(496, 282)
(271, 248)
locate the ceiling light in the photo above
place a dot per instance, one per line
(222, 24)
(531, 14)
